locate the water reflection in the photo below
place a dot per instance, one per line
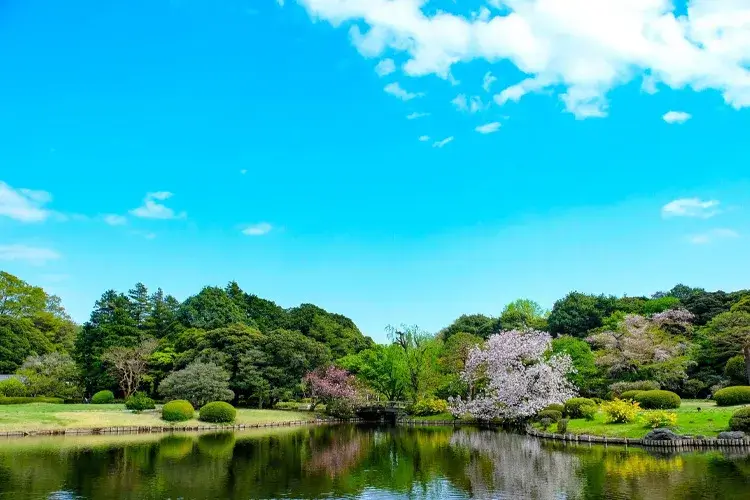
(359, 462)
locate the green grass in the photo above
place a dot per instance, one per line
(41, 416)
(432, 418)
(709, 421)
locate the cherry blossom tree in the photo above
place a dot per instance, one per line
(512, 377)
(329, 383)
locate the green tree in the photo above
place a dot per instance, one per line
(661, 304)
(420, 354)
(451, 362)
(18, 299)
(729, 334)
(211, 308)
(523, 314)
(162, 319)
(54, 375)
(129, 365)
(383, 368)
(587, 376)
(742, 305)
(199, 383)
(578, 313)
(475, 324)
(19, 338)
(140, 305)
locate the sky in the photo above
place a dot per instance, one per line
(396, 161)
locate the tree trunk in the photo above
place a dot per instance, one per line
(746, 352)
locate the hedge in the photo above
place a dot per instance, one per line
(218, 412)
(730, 396)
(429, 406)
(27, 400)
(740, 420)
(178, 410)
(553, 415)
(574, 407)
(630, 395)
(139, 402)
(658, 400)
(103, 398)
(555, 406)
(287, 405)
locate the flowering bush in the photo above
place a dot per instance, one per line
(429, 406)
(660, 418)
(328, 384)
(620, 412)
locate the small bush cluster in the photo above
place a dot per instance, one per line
(574, 408)
(658, 400)
(12, 388)
(429, 406)
(340, 408)
(103, 398)
(618, 388)
(139, 402)
(730, 396)
(552, 415)
(558, 407)
(629, 395)
(218, 412)
(620, 412)
(660, 418)
(287, 405)
(562, 426)
(178, 410)
(27, 400)
(740, 420)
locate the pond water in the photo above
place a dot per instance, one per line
(358, 462)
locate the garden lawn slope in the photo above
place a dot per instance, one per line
(41, 416)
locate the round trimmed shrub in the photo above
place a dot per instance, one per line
(340, 408)
(218, 412)
(552, 415)
(573, 407)
(734, 370)
(658, 400)
(555, 406)
(103, 398)
(730, 396)
(178, 410)
(740, 420)
(630, 395)
(139, 402)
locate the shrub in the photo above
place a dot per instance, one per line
(26, 400)
(620, 412)
(552, 415)
(734, 370)
(103, 398)
(218, 412)
(693, 387)
(598, 401)
(730, 396)
(558, 407)
(630, 395)
(198, 383)
(658, 400)
(589, 412)
(429, 406)
(340, 408)
(573, 407)
(660, 418)
(641, 385)
(740, 420)
(139, 402)
(562, 425)
(178, 411)
(12, 388)
(287, 405)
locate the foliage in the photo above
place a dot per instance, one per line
(129, 364)
(556, 406)
(27, 400)
(630, 395)
(553, 415)
(577, 313)
(562, 426)
(619, 411)
(198, 383)
(53, 374)
(586, 376)
(512, 378)
(103, 398)
(139, 402)
(588, 412)
(211, 308)
(382, 367)
(477, 325)
(660, 304)
(729, 335)
(13, 387)
(731, 396)
(218, 412)
(735, 371)
(340, 408)
(660, 418)
(693, 387)
(574, 408)
(523, 314)
(658, 400)
(740, 420)
(619, 388)
(178, 410)
(18, 340)
(429, 406)
(329, 383)
(420, 357)
(287, 405)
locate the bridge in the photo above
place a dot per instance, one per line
(382, 411)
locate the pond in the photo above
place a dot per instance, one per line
(358, 462)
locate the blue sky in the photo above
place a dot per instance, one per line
(305, 150)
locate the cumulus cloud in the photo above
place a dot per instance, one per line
(440, 144)
(582, 49)
(488, 81)
(115, 220)
(713, 235)
(676, 117)
(25, 205)
(31, 255)
(691, 207)
(257, 229)
(488, 128)
(472, 104)
(385, 67)
(395, 90)
(152, 209)
(415, 115)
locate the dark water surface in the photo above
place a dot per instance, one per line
(358, 462)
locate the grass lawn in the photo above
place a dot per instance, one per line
(709, 421)
(44, 416)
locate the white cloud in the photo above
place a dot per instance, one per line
(676, 117)
(713, 235)
(424, 138)
(385, 67)
(472, 104)
(440, 144)
(691, 207)
(580, 48)
(415, 115)
(257, 229)
(115, 220)
(151, 209)
(488, 128)
(31, 255)
(25, 205)
(488, 80)
(395, 90)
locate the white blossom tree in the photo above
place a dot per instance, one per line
(512, 377)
